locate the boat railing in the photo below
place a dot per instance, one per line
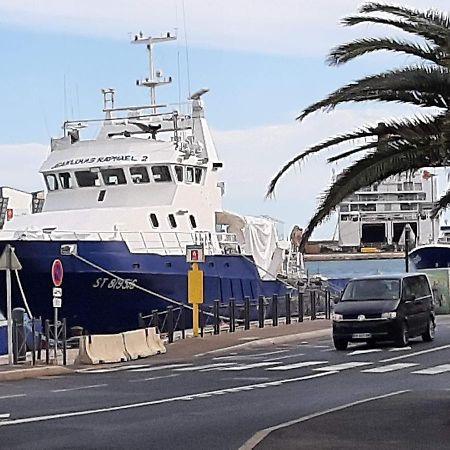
(167, 243)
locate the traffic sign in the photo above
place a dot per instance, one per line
(57, 302)
(195, 254)
(57, 272)
(57, 292)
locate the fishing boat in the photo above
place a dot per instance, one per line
(122, 207)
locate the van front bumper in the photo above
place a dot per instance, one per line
(362, 330)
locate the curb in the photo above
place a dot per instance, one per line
(33, 372)
(270, 341)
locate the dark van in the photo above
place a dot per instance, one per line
(384, 307)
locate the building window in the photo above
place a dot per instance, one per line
(172, 221)
(51, 182)
(154, 220)
(193, 222)
(418, 186)
(344, 208)
(139, 175)
(113, 176)
(161, 174)
(354, 207)
(65, 180)
(179, 173)
(198, 175)
(87, 178)
(189, 174)
(408, 186)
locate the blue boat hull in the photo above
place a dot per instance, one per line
(102, 304)
(430, 257)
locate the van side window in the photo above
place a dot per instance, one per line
(409, 288)
(423, 288)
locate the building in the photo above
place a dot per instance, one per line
(376, 216)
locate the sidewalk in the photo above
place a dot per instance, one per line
(186, 349)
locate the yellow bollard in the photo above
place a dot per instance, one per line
(195, 294)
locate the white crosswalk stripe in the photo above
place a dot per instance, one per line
(249, 366)
(400, 349)
(166, 366)
(343, 366)
(363, 352)
(390, 368)
(434, 370)
(204, 367)
(298, 365)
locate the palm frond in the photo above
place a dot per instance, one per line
(442, 203)
(415, 85)
(346, 52)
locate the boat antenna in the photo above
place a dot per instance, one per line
(187, 51)
(154, 79)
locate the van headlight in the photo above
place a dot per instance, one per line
(389, 315)
(337, 317)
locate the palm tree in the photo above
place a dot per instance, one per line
(408, 143)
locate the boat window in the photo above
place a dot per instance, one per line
(154, 220)
(172, 221)
(139, 175)
(179, 172)
(51, 182)
(189, 174)
(161, 174)
(198, 175)
(86, 178)
(113, 176)
(65, 180)
(101, 195)
(193, 222)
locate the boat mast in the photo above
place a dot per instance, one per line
(155, 79)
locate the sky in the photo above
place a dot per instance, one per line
(263, 61)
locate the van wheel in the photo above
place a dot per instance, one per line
(402, 336)
(340, 344)
(429, 334)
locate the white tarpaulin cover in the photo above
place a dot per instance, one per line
(261, 242)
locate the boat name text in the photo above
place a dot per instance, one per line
(114, 283)
(101, 159)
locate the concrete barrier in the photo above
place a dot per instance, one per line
(154, 341)
(136, 344)
(102, 348)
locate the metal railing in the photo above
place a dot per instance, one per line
(313, 304)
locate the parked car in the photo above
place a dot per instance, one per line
(384, 307)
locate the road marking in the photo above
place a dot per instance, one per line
(140, 380)
(249, 366)
(12, 396)
(363, 352)
(93, 386)
(390, 368)
(284, 357)
(435, 349)
(400, 349)
(298, 365)
(157, 402)
(434, 370)
(260, 435)
(248, 378)
(4, 416)
(204, 368)
(166, 366)
(344, 366)
(112, 369)
(252, 355)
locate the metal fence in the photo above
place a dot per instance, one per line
(220, 317)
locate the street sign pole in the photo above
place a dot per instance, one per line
(56, 335)
(9, 308)
(57, 277)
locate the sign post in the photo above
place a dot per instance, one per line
(57, 277)
(8, 262)
(195, 254)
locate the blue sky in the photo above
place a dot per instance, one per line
(262, 60)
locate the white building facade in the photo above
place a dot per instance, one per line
(376, 216)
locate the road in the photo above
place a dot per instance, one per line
(222, 401)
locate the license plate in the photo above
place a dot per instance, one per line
(361, 335)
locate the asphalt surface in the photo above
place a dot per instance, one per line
(222, 401)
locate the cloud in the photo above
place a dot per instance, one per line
(253, 156)
(296, 27)
(20, 166)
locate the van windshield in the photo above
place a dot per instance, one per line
(382, 289)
